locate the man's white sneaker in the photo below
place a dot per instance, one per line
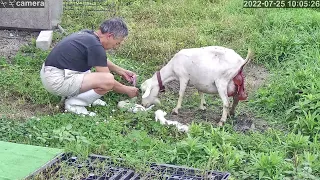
(81, 110)
(99, 102)
(77, 103)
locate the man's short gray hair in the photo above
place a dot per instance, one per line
(116, 26)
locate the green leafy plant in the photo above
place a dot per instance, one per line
(268, 164)
(296, 142)
(305, 115)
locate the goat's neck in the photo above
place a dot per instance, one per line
(167, 74)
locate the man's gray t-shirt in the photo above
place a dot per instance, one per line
(78, 52)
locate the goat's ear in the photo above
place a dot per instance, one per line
(157, 101)
(145, 85)
(147, 92)
(146, 88)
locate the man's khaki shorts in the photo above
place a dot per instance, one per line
(61, 82)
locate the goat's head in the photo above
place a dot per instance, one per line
(150, 92)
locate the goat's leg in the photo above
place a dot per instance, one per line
(223, 93)
(183, 86)
(234, 104)
(202, 101)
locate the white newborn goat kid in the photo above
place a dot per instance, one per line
(211, 69)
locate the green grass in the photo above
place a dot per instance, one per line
(285, 41)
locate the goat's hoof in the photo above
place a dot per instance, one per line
(175, 111)
(202, 108)
(220, 124)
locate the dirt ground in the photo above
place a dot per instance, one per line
(11, 41)
(15, 108)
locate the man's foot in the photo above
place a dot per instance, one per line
(81, 110)
(99, 102)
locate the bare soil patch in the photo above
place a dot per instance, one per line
(16, 108)
(12, 40)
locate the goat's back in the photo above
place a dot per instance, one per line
(203, 67)
(210, 60)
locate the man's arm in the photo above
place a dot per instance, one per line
(114, 68)
(102, 69)
(126, 74)
(118, 87)
(110, 68)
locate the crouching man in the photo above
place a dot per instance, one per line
(66, 71)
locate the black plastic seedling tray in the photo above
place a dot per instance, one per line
(97, 167)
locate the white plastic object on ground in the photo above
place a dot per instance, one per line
(159, 115)
(132, 107)
(81, 110)
(99, 102)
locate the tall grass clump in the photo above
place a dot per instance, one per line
(293, 59)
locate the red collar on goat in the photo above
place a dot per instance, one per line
(162, 88)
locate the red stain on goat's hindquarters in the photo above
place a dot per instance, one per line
(239, 82)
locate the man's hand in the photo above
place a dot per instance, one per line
(132, 91)
(125, 74)
(129, 76)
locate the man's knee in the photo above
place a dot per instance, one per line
(108, 82)
(102, 81)
(109, 78)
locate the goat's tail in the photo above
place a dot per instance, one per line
(239, 78)
(249, 57)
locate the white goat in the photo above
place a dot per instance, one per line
(211, 69)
